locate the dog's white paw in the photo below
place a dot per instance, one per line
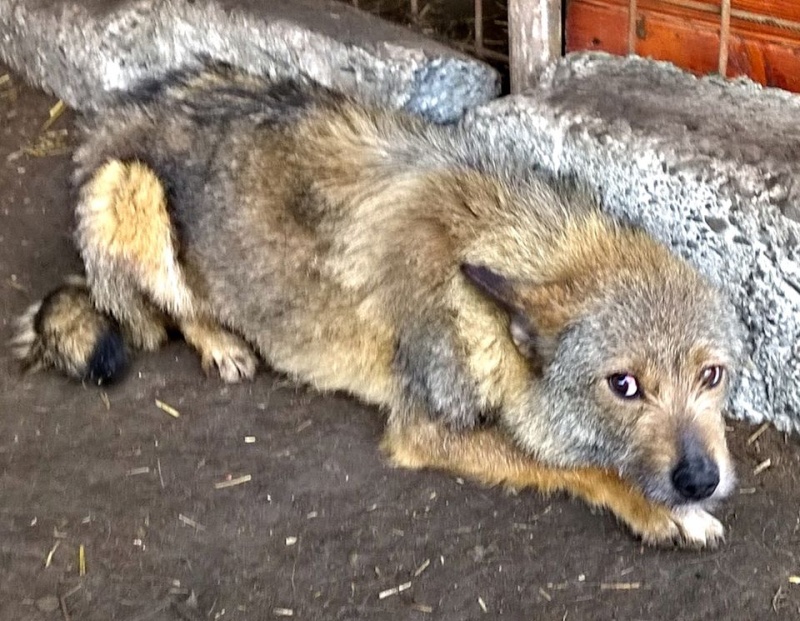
(697, 528)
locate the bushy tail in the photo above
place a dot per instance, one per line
(65, 331)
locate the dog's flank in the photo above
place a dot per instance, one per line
(514, 333)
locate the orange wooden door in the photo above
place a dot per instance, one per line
(764, 35)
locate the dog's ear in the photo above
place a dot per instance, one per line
(502, 291)
(538, 313)
(495, 286)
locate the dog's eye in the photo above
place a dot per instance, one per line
(624, 385)
(711, 376)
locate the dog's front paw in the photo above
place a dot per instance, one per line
(686, 527)
(697, 528)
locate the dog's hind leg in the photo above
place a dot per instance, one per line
(130, 249)
(85, 327)
(125, 238)
(218, 348)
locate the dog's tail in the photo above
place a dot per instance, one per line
(66, 331)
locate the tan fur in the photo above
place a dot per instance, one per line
(123, 210)
(488, 456)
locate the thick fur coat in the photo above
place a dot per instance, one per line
(512, 331)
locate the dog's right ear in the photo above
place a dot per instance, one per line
(539, 313)
(502, 291)
(495, 286)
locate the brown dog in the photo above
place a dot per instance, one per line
(514, 333)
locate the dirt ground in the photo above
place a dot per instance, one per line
(323, 527)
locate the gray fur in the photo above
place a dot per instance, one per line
(430, 365)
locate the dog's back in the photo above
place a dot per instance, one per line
(316, 225)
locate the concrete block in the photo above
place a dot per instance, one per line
(82, 49)
(708, 166)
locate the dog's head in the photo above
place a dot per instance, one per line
(632, 360)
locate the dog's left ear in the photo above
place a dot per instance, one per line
(538, 312)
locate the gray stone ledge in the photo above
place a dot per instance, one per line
(82, 50)
(710, 167)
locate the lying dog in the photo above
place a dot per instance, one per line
(514, 333)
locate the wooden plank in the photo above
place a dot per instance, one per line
(724, 36)
(479, 27)
(595, 27)
(783, 9)
(689, 43)
(680, 8)
(534, 39)
(776, 17)
(632, 16)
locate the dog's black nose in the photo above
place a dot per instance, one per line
(695, 477)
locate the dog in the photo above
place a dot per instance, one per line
(513, 332)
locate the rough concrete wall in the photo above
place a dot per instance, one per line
(710, 167)
(80, 50)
